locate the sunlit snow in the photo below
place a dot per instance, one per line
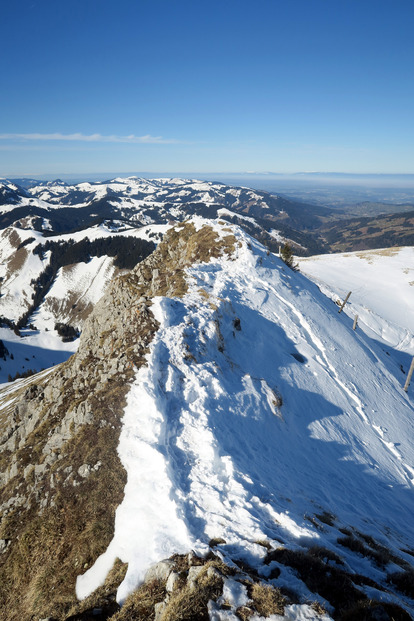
(209, 453)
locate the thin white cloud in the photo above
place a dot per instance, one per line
(147, 139)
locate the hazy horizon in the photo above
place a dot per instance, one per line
(333, 177)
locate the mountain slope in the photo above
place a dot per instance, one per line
(382, 285)
(55, 281)
(255, 423)
(50, 274)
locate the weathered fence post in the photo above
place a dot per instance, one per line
(355, 322)
(410, 372)
(344, 302)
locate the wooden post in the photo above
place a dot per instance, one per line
(344, 302)
(410, 372)
(355, 322)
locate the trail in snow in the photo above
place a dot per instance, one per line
(322, 357)
(240, 433)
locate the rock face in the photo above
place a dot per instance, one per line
(61, 479)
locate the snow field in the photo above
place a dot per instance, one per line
(37, 350)
(16, 289)
(382, 285)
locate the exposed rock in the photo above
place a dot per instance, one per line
(193, 574)
(4, 543)
(84, 471)
(159, 571)
(159, 609)
(172, 581)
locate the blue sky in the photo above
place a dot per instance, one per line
(184, 85)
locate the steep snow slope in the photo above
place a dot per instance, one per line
(79, 286)
(75, 290)
(258, 410)
(382, 285)
(18, 267)
(33, 351)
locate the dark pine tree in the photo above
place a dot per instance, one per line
(286, 255)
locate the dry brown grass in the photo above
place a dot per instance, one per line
(203, 294)
(264, 543)
(18, 258)
(50, 548)
(403, 581)
(326, 517)
(318, 608)
(190, 604)
(368, 547)
(193, 247)
(105, 596)
(139, 606)
(371, 610)
(267, 600)
(216, 541)
(244, 613)
(331, 582)
(368, 255)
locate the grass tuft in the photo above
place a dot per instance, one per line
(403, 581)
(267, 600)
(190, 604)
(139, 606)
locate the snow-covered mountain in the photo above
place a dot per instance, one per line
(220, 413)
(51, 281)
(61, 244)
(62, 208)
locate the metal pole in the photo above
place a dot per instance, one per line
(355, 322)
(345, 301)
(410, 372)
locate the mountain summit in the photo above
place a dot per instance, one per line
(221, 414)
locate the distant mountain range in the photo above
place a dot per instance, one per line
(312, 227)
(57, 207)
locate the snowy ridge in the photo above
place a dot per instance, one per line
(259, 407)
